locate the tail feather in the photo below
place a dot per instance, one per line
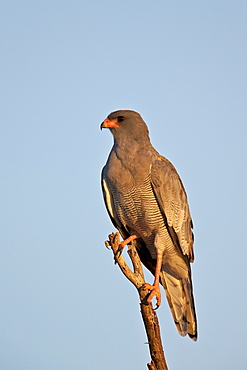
(179, 295)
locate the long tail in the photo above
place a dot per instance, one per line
(179, 294)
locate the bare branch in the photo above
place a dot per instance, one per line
(149, 316)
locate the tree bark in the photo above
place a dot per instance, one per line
(149, 316)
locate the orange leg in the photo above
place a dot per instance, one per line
(155, 288)
(123, 244)
(127, 241)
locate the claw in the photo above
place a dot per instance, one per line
(107, 244)
(154, 291)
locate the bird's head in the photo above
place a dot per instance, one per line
(126, 124)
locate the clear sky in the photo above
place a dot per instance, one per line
(65, 65)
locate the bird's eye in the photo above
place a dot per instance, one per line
(120, 118)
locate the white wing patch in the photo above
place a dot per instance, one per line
(108, 198)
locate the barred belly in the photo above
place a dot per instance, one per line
(138, 210)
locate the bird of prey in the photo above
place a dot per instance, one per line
(146, 201)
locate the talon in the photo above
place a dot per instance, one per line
(107, 244)
(154, 291)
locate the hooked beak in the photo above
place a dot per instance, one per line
(109, 123)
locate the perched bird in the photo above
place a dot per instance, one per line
(146, 201)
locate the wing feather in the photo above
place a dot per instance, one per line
(173, 202)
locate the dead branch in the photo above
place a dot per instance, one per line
(149, 316)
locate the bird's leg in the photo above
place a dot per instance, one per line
(155, 288)
(123, 244)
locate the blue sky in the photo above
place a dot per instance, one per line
(65, 65)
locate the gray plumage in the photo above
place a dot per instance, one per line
(144, 195)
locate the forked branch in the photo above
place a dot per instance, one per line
(149, 316)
